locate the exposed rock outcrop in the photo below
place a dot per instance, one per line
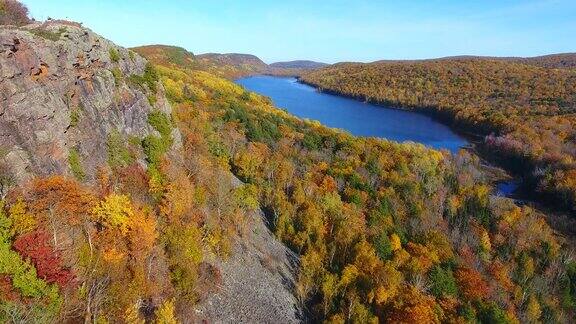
(63, 89)
(257, 284)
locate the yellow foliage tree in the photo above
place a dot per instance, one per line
(22, 221)
(165, 313)
(533, 310)
(395, 242)
(132, 315)
(115, 212)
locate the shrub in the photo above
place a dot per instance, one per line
(114, 55)
(114, 212)
(185, 246)
(161, 122)
(149, 79)
(165, 313)
(74, 117)
(247, 196)
(118, 153)
(22, 273)
(218, 149)
(154, 148)
(442, 282)
(245, 96)
(76, 165)
(312, 141)
(383, 246)
(117, 76)
(35, 247)
(49, 35)
(492, 313)
(13, 13)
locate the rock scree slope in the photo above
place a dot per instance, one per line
(258, 280)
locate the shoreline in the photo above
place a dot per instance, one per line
(495, 174)
(562, 221)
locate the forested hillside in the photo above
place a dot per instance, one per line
(552, 61)
(527, 113)
(105, 214)
(233, 65)
(229, 66)
(386, 231)
(223, 65)
(555, 61)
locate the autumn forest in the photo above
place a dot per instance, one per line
(381, 232)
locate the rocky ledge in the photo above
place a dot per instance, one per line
(63, 90)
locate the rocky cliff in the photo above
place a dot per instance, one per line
(63, 91)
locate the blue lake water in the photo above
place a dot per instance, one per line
(361, 119)
(356, 117)
(507, 188)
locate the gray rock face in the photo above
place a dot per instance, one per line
(63, 88)
(257, 282)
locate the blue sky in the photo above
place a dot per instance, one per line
(331, 30)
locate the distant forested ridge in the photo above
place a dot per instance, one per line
(300, 64)
(526, 112)
(224, 65)
(553, 61)
(243, 64)
(558, 61)
(230, 66)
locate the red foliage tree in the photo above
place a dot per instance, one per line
(35, 247)
(7, 289)
(471, 283)
(57, 195)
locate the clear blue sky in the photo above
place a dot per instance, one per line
(331, 30)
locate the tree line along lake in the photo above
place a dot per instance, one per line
(360, 118)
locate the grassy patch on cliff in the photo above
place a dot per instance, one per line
(147, 80)
(75, 164)
(49, 35)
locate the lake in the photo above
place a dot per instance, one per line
(361, 119)
(356, 117)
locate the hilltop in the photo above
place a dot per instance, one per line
(169, 55)
(299, 64)
(233, 65)
(234, 59)
(230, 66)
(558, 61)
